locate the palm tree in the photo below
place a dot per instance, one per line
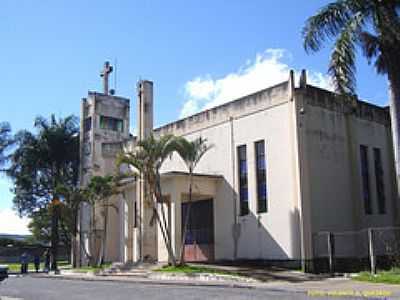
(73, 197)
(147, 159)
(191, 152)
(374, 26)
(99, 191)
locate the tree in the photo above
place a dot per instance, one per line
(40, 226)
(72, 197)
(6, 141)
(99, 191)
(147, 159)
(43, 162)
(191, 152)
(374, 26)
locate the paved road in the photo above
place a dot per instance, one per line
(30, 288)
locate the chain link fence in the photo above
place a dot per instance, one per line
(354, 251)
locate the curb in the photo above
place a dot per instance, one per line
(143, 280)
(146, 281)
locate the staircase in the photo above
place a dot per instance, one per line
(140, 269)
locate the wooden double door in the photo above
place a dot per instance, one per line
(199, 242)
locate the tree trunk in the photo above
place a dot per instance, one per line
(54, 236)
(92, 237)
(182, 254)
(102, 252)
(163, 222)
(105, 233)
(394, 81)
(74, 240)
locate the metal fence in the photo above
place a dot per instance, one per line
(349, 251)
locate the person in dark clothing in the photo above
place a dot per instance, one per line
(47, 261)
(24, 263)
(36, 261)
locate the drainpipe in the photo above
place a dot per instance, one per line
(236, 228)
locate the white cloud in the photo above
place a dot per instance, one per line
(267, 69)
(11, 223)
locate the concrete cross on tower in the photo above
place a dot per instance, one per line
(105, 74)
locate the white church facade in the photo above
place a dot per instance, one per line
(287, 162)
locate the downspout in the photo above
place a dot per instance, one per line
(236, 225)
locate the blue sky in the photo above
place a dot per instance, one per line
(196, 52)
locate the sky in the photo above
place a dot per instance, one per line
(198, 53)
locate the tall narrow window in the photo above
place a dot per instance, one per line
(87, 124)
(365, 179)
(261, 177)
(135, 213)
(243, 186)
(380, 186)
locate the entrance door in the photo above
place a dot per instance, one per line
(199, 242)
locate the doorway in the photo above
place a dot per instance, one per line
(199, 242)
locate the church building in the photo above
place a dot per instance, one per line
(287, 162)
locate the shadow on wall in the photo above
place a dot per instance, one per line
(252, 235)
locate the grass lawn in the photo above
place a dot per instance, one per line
(189, 269)
(16, 267)
(391, 277)
(92, 269)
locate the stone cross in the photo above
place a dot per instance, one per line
(105, 74)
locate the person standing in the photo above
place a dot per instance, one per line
(47, 261)
(36, 261)
(24, 263)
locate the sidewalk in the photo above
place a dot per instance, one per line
(261, 278)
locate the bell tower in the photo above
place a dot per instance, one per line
(148, 228)
(104, 128)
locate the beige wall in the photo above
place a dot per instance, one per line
(271, 235)
(98, 152)
(313, 173)
(332, 159)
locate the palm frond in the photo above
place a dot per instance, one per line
(131, 159)
(41, 123)
(380, 65)
(325, 25)
(192, 151)
(342, 65)
(369, 44)
(149, 154)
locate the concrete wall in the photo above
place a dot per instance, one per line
(313, 173)
(98, 152)
(331, 133)
(263, 116)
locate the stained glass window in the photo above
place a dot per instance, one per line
(379, 181)
(261, 176)
(365, 179)
(243, 185)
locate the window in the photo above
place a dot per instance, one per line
(87, 124)
(135, 212)
(365, 179)
(110, 123)
(380, 187)
(261, 177)
(243, 186)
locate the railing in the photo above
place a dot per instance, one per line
(348, 251)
